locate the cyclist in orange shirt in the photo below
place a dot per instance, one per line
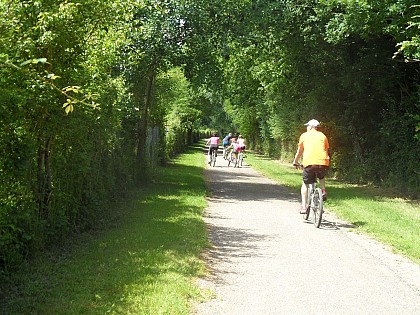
(313, 148)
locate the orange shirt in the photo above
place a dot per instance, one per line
(315, 148)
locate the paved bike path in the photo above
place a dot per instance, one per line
(266, 260)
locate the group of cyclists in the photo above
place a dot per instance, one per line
(231, 145)
(313, 148)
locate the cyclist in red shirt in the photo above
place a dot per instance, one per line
(313, 148)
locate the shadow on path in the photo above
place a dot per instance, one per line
(229, 185)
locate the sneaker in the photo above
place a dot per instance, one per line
(324, 195)
(302, 210)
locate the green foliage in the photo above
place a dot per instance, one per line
(330, 60)
(59, 171)
(17, 216)
(72, 80)
(144, 263)
(179, 114)
(94, 95)
(410, 46)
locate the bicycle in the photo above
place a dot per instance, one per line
(213, 155)
(232, 159)
(314, 202)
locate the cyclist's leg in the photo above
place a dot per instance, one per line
(324, 191)
(213, 150)
(308, 177)
(304, 195)
(209, 153)
(322, 183)
(321, 176)
(236, 155)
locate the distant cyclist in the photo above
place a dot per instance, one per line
(214, 145)
(313, 146)
(226, 143)
(235, 147)
(242, 143)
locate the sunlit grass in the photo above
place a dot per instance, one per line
(145, 264)
(394, 221)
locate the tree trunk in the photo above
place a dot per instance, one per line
(44, 178)
(143, 123)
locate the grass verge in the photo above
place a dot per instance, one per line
(391, 220)
(145, 264)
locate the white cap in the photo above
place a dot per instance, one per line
(313, 123)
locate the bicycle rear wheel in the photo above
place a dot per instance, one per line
(214, 159)
(317, 207)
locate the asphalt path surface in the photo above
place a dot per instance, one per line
(265, 259)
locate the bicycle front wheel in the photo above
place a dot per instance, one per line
(318, 208)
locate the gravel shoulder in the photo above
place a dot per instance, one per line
(265, 259)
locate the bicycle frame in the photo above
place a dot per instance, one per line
(225, 153)
(213, 154)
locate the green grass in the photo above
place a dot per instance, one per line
(147, 261)
(389, 219)
(145, 264)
